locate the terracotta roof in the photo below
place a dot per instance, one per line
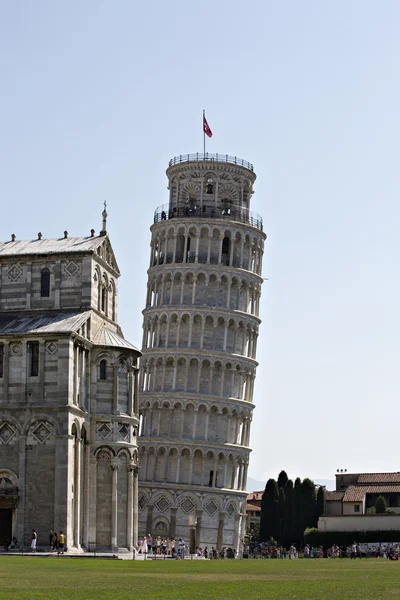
(379, 478)
(355, 493)
(253, 507)
(334, 495)
(107, 337)
(51, 246)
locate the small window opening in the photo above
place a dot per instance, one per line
(226, 242)
(210, 186)
(45, 284)
(34, 359)
(103, 370)
(1, 360)
(103, 298)
(210, 478)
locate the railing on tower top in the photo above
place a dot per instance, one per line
(229, 213)
(207, 157)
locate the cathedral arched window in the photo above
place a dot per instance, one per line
(103, 370)
(209, 186)
(45, 283)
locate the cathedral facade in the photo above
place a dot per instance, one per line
(68, 395)
(200, 325)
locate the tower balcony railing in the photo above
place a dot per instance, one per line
(238, 214)
(207, 157)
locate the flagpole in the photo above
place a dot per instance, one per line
(204, 134)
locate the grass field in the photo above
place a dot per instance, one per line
(59, 579)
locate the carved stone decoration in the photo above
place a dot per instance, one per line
(51, 347)
(211, 507)
(71, 268)
(142, 502)
(187, 505)
(7, 432)
(42, 432)
(230, 509)
(104, 431)
(162, 504)
(123, 431)
(14, 273)
(16, 349)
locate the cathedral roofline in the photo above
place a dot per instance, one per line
(63, 245)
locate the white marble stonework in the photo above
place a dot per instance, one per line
(68, 395)
(200, 330)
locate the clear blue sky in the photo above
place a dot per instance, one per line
(96, 96)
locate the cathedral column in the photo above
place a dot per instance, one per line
(135, 501)
(209, 249)
(190, 469)
(178, 466)
(224, 483)
(196, 411)
(220, 529)
(228, 296)
(236, 531)
(206, 428)
(196, 259)
(130, 391)
(114, 505)
(129, 519)
(199, 515)
(172, 531)
(115, 390)
(92, 502)
(190, 330)
(241, 254)
(77, 493)
(194, 289)
(86, 493)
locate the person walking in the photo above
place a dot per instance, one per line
(55, 542)
(182, 548)
(61, 541)
(51, 535)
(33, 541)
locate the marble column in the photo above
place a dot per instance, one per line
(220, 534)
(129, 516)
(114, 505)
(77, 494)
(135, 506)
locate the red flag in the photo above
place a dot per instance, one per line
(206, 127)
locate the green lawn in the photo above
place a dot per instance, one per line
(59, 579)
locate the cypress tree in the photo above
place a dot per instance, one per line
(281, 514)
(296, 512)
(282, 479)
(288, 521)
(321, 504)
(269, 519)
(309, 506)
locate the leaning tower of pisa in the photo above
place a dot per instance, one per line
(199, 353)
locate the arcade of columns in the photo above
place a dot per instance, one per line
(199, 354)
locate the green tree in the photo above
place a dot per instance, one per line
(380, 505)
(308, 505)
(287, 537)
(281, 514)
(297, 525)
(269, 519)
(321, 504)
(282, 479)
